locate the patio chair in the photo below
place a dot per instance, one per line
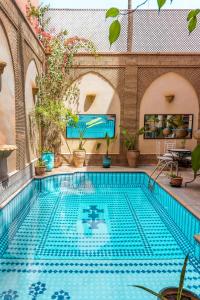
(166, 156)
(168, 145)
(164, 161)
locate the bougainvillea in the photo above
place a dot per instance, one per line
(51, 110)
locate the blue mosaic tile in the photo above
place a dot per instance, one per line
(61, 295)
(9, 295)
(36, 289)
(96, 234)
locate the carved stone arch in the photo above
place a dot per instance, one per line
(95, 73)
(28, 64)
(114, 76)
(154, 102)
(106, 101)
(10, 48)
(30, 98)
(146, 76)
(30, 56)
(8, 103)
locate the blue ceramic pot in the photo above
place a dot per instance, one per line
(106, 161)
(48, 158)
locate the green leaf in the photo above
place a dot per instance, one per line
(192, 24)
(161, 3)
(193, 13)
(192, 19)
(114, 31)
(182, 278)
(196, 159)
(160, 296)
(112, 12)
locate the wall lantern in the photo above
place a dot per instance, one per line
(2, 66)
(35, 91)
(169, 98)
(89, 99)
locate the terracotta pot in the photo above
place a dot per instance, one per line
(132, 157)
(57, 161)
(79, 158)
(176, 181)
(181, 133)
(40, 171)
(166, 131)
(171, 294)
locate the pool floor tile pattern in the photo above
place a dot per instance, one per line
(59, 226)
(86, 242)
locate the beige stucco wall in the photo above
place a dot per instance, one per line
(106, 102)
(33, 133)
(7, 101)
(153, 102)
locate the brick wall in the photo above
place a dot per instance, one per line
(24, 47)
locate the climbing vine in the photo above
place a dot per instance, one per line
(54, 93)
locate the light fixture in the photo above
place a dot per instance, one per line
(2, 66)
(35, 90)
(169, 97)
(89, 99)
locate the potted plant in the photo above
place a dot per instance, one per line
(175, 180)
(40, 167)
(130, 142)
(174, 293)
(106, 158)
(80, 153)
(48, 159)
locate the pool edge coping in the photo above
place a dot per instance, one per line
(147, 172)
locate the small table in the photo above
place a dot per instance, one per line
(180, 154)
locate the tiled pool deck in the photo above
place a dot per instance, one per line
(189, 197)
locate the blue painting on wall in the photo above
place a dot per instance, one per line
(105, 125)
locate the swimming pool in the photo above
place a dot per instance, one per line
(86, 235)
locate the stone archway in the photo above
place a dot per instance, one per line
(153, 102)
(30, 99)
(106, 101)
(7, 100)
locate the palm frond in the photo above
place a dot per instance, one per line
(160, 296)
(182, 278)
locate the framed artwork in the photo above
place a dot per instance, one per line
(168, 126)
(106, 125)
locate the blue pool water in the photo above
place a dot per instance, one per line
(87, 235)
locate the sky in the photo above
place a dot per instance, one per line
(118, 3)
